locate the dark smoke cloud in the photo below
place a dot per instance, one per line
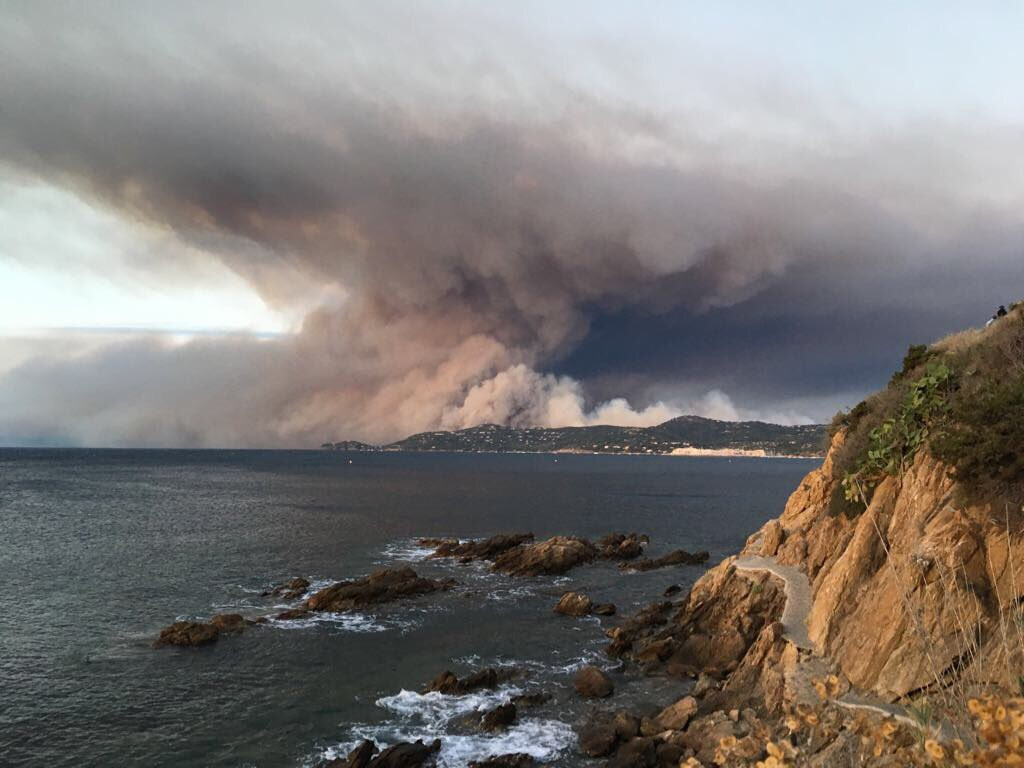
(470, 244)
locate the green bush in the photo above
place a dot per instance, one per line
(983, 438)
(917, 355)
(898, 438)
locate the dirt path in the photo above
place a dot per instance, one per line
(813, 666)
(798, 596)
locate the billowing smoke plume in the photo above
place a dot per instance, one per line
(462, 248)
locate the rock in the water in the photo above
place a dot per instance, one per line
(574, 604)
(291, 589)
(447, 682)
(672, 589)
(483, 549)
(499, 717)
(552, 557)
(676, 716)
(358, 758)
(379, 587)
(187, 633)
(622, 546)
(293, 613)
(406, 755)
(603, 609)
(195, 633)
(635, 753)
(677, 557)
(527, 700)
(639, 628)
(230, 623)
(592, 683)
(514, 760)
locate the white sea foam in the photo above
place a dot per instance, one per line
(407, 550)
(545, 740)
(436, 709)
(346, 622)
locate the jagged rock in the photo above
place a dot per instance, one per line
(705, 734)
(704, 685)
(676, 716)
(672, 589)
(293, 613)
(499, 718)
(527, 700)
(290, 590)
(358, 758)
(599, 737)
(552, 557)
(638, 627)
(379, 587)
(514, 760)
(772, 539)
(592, 683)
(448, 683)
(639, 752)
(187, 633)
(484, 549)
(406, 755)
(622, 546)
(230, 623)
(196, 633)
(676, 557)
(574, 604)
(603, 609)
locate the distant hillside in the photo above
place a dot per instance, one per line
(686, 434)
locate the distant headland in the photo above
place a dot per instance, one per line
(682, 436)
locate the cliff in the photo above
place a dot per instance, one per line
(891, 585)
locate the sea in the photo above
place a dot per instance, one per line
(100, 549)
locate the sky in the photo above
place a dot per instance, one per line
(272, 225)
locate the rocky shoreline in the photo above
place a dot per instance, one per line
(754, 690)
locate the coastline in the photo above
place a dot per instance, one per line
(676, 453)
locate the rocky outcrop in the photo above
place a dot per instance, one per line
(676, 557)
(359, 757)
(574, 604)
(552, 557)
(192, 634)
(513, 760)
(499, 718)
(290, 590)
(407, 755)
(606, 731)
(939, 570)
(622, 546)
(592, 683)
(447, 682)
(483, 549)
(380, 587)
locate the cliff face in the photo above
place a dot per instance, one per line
(918, 588)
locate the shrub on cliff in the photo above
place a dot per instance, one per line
(983, 439)
(962, 398)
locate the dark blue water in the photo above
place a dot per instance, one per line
(100, 549)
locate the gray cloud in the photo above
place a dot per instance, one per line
(473, 215)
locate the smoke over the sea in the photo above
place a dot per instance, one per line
(449, 223)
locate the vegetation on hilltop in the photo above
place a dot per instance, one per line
(961, 398)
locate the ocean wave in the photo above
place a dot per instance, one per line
(406, 550)
(436, 709)
(346, 622)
